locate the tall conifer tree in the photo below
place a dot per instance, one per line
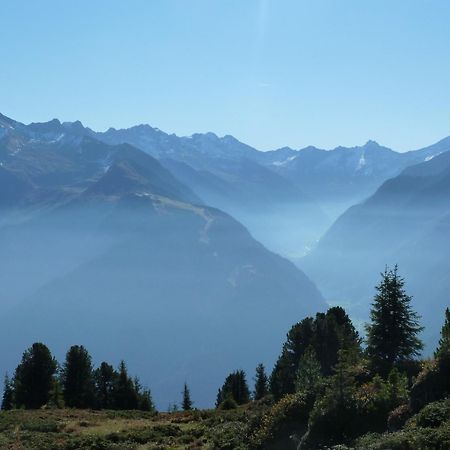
(77, 378)
(186, 404)
(392, 335)
(261, 383)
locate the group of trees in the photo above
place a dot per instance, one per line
(38, 380)
(324, 373)
(346, 388)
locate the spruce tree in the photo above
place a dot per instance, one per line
(77, 378)
(8, 394)
(186, 404)
(34, 377)
(261, 383)
(443, 350)
(392, 335)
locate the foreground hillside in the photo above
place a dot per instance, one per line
(324, 392)
(208, 429)
(125, 430)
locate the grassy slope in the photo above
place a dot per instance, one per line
(119, 430)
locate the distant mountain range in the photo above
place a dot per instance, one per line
(128, 239)
(101, 245)
(406, 221)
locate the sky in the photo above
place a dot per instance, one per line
(269, 72)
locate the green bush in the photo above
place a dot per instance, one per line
(228, 436)
(228, 403)
(286, 417)
(434, 415)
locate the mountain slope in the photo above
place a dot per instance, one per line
(405, 222)
(108, 249)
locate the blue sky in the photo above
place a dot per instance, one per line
(270, 72)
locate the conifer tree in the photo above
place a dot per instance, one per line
(219, 398)
(328, 333)
(104, 378)
(392, 335)
(77, 378)
(234, 387)
(146, 401)
(343, 380)
(309, 372)
(34, 377)
(261, 383)
(443, 350)
(8, 394)
(186, 404)
(124, 391)
(299, 337)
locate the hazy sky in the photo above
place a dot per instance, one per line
(270, 72)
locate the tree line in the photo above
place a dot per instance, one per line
(320, 347)
(330, 386)
(38, 380)
(323, 356)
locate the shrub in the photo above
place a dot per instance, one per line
(433, 415)
(288, 416)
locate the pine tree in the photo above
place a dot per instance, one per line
(343, 380)
(104, 378)
(443, 350)
(34, 377)
(219, 398)
(186, 404)
(299, 337)
(8, 394)
(235, 387)
(146, 401)
(328, 333)
(261, 383)
(392, 335)
(309, 372)
(124, 391)
(77, 378)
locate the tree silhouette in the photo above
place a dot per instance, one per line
(77, 378)
(261, 383)
(186, 404)
(392, 333)
(34, 377)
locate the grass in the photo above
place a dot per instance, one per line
(119, 430)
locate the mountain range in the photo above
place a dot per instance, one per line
(134, 238)
(102, 245)
(406, 222)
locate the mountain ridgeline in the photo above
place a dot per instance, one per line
(136, 239)
(102, 244)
